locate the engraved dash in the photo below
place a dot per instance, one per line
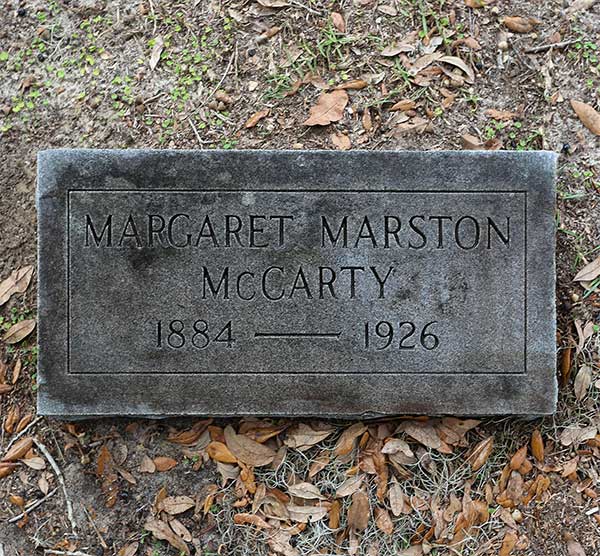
(284, 335)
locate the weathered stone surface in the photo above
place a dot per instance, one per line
(296, 283)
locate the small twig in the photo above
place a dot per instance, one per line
(61, 481)
(100, 538)
(33, 506)
(62, 553)
(305, 7)
(195, 130)
(16, 437)
(543, 47)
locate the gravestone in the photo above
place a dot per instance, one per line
(296, 283)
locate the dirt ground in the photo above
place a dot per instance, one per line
(244, 75)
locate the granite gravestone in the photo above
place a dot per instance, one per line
(295, 283)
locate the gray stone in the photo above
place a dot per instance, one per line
(296, 283)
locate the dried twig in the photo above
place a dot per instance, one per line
(61, 481)
(63, 553)
(100, 538)
(33, 506)
(543, 47)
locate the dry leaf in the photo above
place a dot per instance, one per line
(341, 141)
(307, 491)
(345, 443)
(304, 437)
(16, 371)
(273, 3)
(129, 549)
(396, 445)
(251, 519)
(475, 3)
(588, 116)
(394, 50)
(456, 61)
(217, 451)
(306, 514)
(19, 331)
(359, 512)
(425, 433)
(338, 22)
(519, 24)
(156, 52)
(384, 521)
(349, 486)
(334, 514)
(355, 85)
(575, 435)
(501, 115)
(579, 5)
(583, 380)
(509, 542)
(6, 468)
(403, 105)
(43, 485)
(5, 388)
(17, 282)
(247, 450)
(256, 117)
(574, 548)
(481, 453)
(174, 505)
(147, 465)
(537, 446)
(589, 272)
(329, 108)
(279, 542)
(18, 449)
(518, 458)
(396, 498)
(163, 532)
(163, 463)
(190, 436)
(35, 462)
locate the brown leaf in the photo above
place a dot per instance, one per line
(329, 108)
(6, 468)
(5, 388)
(256, 117)
(518, 458)
(190, 436)
(565, 365)
(17, 282)
(501, 115)
(355, 85)
(279, 542)
(425, 433)
(396, 498)
(156, 52)
(359, 512)
(247, 450)
(35, 462)
(460, 64)
(217, 451)
(537, 446)
(174, 505)
(19, 449)
(349, 486)
(579, 5)
(307, 491)
(147, 465)
(273, 3)
(345, 443)
(163, 532)
(575, 435)
(574, 548)
(306, 514)
(509, 542)
(12, 417)
(519, 24)
(589, 272)
(588, 116)
(129, 549)
(164, 463)
(403, 105)
(16, 371)
(481, 453)
(475, 4)
(583, 380)
(19, 331)
(304, 437)
(338, 22)
(394, 50)
(341, 141)
(384, 521)
(251, 519)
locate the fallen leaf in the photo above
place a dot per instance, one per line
(588, 116)
(251, 519)
(35, 462)
(329, 108)
(163, 532)
(306, 514)
(129, 549)
(273, 3)
(518, 458)
(6, 468)
(217, 451)
(19, 331)
(574, 548)
(575, 435)
(456, 61)
(279, 542)
(589, 272)
(349, 486)
(501, 115)
(163, 463)
(403, 105)
(16, 371)
(147, 465)
(537, 446)
(475, 4)
(174, 505)
(5, 388)
(396, 498)
(394, 50)
(509, 542)
(303, 437)
(19, 449)
(335, 514)
(355, 84)
(307, 491)
(190, 436)
(583, 380)
(481, 453)
(338, 22)
(17, 282)
(43, 485)
(156, 52)
(425, 433)
(396, 445)
(519, 24)
(579, 5)
(341, 141)
(256, 117)
(384, 521)
(359, 512)
(247, 450)
(345, 443)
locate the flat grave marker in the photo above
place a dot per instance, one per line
(333, 284)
